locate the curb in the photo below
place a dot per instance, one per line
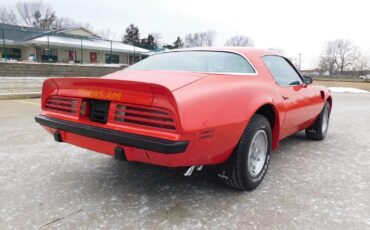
(26, 95)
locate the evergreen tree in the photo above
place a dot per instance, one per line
(132, 35)
(178, 43)
(149, 42)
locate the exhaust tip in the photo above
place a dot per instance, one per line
(58, 136)
(119, 154)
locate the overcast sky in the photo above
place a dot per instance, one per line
(293, 26)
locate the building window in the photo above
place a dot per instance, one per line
(112, 60)
(49, 55)
(11, 53)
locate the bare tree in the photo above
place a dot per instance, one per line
(37, 14)
(108, 34)
(327, 60)
(157, 39)
(338, 55)
(346, 54)
(240, 40)
(362, 63)
(206, 38)
(88, 26)
(7, 16)
(65, 23)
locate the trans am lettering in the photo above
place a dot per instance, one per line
(100, 94)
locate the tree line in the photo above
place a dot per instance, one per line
(342, 55)
(41, 15)
(198, 39)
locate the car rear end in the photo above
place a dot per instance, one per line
(134, 121)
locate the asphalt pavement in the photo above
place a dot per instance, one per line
(309, 185)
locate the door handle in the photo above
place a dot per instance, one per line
(285, 97)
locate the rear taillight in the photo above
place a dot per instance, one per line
(62, 105)
(144, 116)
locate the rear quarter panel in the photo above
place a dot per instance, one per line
(218, 108)
(322, 94)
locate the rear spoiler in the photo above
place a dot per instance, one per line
(140, 93)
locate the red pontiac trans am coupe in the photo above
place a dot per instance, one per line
(190, 107)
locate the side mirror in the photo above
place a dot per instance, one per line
(307, 80)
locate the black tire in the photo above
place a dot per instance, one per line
(315, 131)
(235, 172)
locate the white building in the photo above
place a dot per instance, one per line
(74, 45)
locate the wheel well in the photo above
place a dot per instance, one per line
(270, 113)
(330, 100)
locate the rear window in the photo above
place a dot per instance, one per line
(196, 61)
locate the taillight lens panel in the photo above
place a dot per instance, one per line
(128, 114)
(65, 105)
(157, 118)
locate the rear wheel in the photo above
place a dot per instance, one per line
(248, 165)
(318, 130)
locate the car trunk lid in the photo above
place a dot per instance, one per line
(172, 80)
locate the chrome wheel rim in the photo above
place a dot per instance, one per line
(325, 120)
(257, 153)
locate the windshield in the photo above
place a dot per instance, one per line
(196, 61)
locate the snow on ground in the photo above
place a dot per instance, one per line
(94, 44)
(346, 90)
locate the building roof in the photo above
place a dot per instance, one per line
(87, 43)
(14, 33)
(72, 30)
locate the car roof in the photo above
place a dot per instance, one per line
(246, 51)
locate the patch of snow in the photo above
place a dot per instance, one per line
(66, 64)
(346, 90)
(7, 78)
(87, 43)
(14, 94)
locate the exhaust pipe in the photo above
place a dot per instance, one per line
(191, 169)
(58, 136)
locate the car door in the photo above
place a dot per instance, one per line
(297, 97)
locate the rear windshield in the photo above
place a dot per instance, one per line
(196, 61)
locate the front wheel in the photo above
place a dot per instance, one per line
(248, 165)
(319, 129)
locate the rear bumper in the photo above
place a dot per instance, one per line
(118, 137)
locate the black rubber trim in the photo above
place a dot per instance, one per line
(124, 138)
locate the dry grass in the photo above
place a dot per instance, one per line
(358, 85)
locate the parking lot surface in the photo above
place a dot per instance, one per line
(309, 185)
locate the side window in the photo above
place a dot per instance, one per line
(282, 71)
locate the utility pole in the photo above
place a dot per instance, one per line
(133, 62)
(300, 60)
(110, 58)
(4, 49)
(81, 52)
(48, 57)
